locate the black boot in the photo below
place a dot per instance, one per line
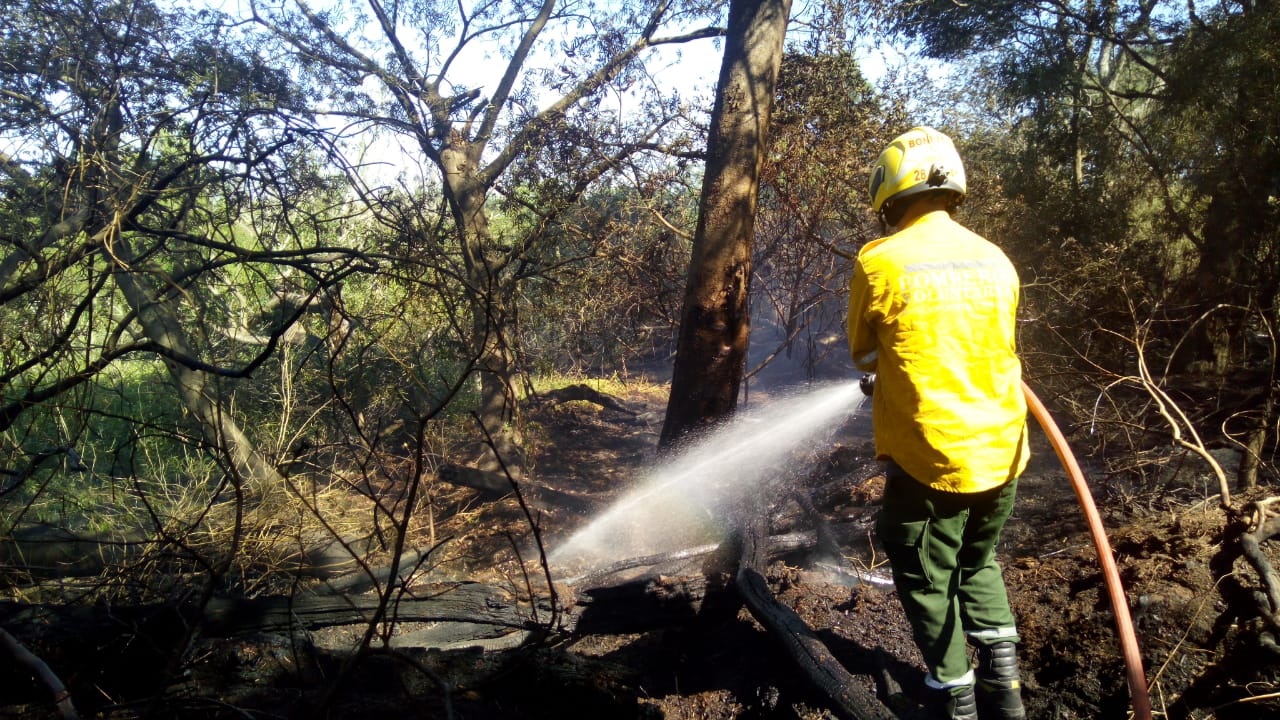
(999, 687)
(952, 704)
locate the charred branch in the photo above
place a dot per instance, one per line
(802, 644)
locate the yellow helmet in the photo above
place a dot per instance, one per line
(916, 161)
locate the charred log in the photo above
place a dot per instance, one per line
(498, 484)
(589, 394)
(804, 647)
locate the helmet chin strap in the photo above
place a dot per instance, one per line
(885, 227)
(892, 212)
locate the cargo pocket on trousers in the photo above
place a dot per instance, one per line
(905, 544)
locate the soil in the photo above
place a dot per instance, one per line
(1201, 661)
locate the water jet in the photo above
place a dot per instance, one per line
(687, 500)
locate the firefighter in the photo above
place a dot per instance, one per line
(932, 309)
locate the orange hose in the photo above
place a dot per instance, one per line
(1119, 603)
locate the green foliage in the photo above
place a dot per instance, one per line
(80, 458)
(827, 127)
(953, 31)
(167, 235)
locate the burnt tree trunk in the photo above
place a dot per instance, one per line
(715, 325)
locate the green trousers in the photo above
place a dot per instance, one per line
(941, 547)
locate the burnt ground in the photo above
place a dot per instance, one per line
(716, 661)
(1200, 661)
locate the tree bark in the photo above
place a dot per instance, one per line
(715, 325)
(159, 319)
(1255, 442)
(466, 190)
(199, 395)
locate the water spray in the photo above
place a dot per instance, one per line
(1119, 603)
(685, 502)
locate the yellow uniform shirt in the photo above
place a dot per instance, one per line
(932, 310)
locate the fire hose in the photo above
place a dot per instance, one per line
(1137, 680)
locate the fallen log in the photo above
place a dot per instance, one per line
(669, 592)
(497, 484)
(810, 654)
(836, 536)
(46, 551)
(461, 613)
(473, 603)
(456, 615)
(589, 394)
(467, 602)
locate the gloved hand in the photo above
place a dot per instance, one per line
(867, 384)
